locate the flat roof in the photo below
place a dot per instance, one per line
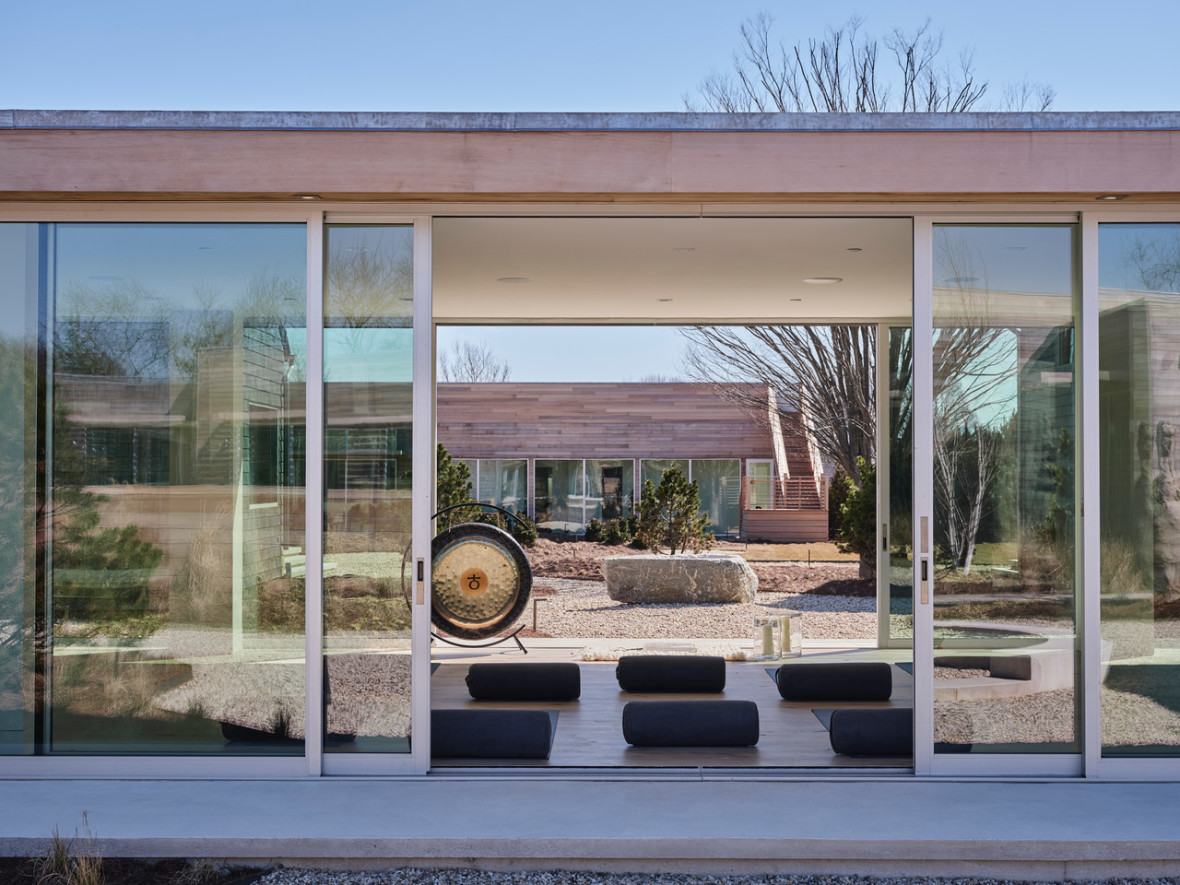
(662, 121)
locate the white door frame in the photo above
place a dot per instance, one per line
(926, 762)
(417, 761)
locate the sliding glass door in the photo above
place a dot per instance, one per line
(377, 475)
(998, 650)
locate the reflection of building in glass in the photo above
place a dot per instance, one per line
(568, 453)
(136, 436)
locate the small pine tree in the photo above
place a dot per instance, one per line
(593, 530)
(616, 532)
(858, 519)
(524, 530)
(452, 486)
(837, 494)
(671, 516)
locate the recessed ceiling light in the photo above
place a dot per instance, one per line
(854, 249)
(796, 299)
(663, 300)
(684, 248)
(823, 281)
(514, 279)
(1111, 197)
(308, 197)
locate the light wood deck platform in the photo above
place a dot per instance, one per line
(589, 731)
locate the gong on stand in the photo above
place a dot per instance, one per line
(481, 580)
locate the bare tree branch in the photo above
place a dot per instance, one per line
(472, 363)
(838, 73)
(832, 366)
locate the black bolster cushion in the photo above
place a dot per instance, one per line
(690, 723)
(854, 681)
(491, 734)
(873, 732)
(674, 673)
(524, 682)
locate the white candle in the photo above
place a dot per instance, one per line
(767, 640)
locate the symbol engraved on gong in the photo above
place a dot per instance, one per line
(473, 581)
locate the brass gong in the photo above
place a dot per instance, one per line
(481, 580)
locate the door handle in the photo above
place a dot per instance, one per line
(925, 542)
(420, 593)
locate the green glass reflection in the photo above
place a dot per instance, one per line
(558, 498)
(368, 392)
(652, 469)
(1139, 413)
(503, 482)
(176, 517)
(719, 482)
(21, 248)
(1005, 588)
(610, 489)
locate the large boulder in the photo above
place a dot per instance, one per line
(711, 577)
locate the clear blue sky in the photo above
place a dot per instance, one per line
(513, 55)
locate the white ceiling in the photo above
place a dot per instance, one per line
(714, 269)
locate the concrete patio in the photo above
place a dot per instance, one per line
(682, 820)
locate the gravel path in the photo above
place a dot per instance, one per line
(567, 877)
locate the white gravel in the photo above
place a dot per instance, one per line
(583, 609)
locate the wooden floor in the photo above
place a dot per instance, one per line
(589, 731)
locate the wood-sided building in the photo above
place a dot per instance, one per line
(568, 453)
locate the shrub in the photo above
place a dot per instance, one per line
(670, 515)
(452, 486)
(837, 494)
(524, 530)
(616, 532)
(593, 530)
(858, 519)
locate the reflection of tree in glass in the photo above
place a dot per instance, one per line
(119, 330)
(17, 385)
(366, 285)
(124, 330)
(975, 369)
(1156, 261)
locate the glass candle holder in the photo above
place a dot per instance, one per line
(766, 639)
(790, 634)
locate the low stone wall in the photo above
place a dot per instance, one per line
(710, 577)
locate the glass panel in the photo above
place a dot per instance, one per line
(720, 485)
(368, 386)
(654, 469)
(174, 520)
(559, 497)
(761, 475)
(503, 483)
(1005, 596)
(900, 531)
(472, 466)
(1139, 414)
(611, 489)
(22, 247)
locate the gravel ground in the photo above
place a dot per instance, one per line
(566, 877)
(583, 609)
